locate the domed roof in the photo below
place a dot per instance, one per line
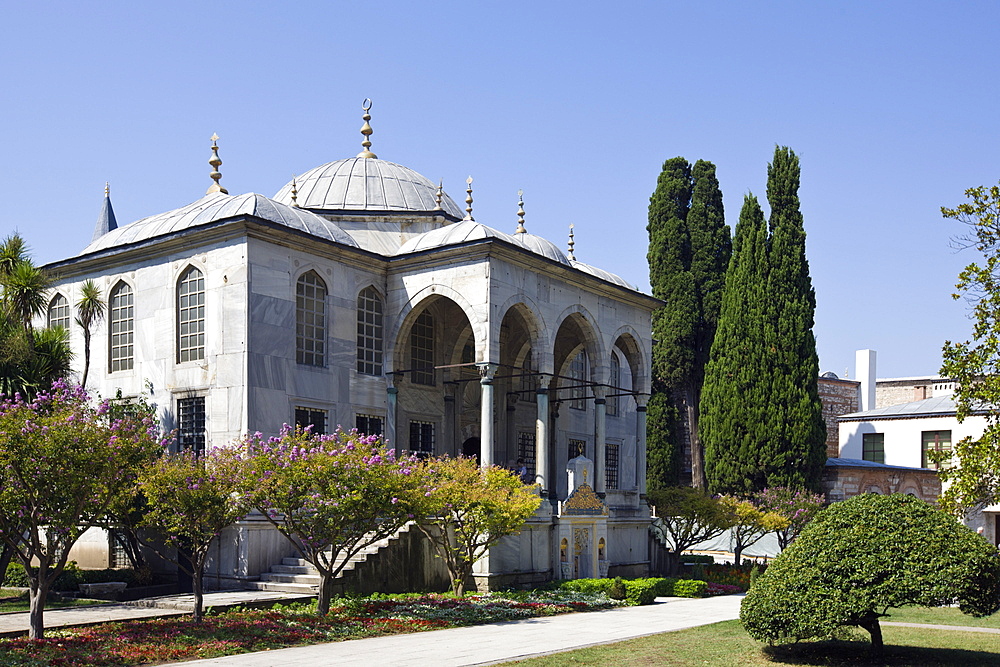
(366, 184)
(219, 206)
(602, 274)
(540, 246)
(466, 230)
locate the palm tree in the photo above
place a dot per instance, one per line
(13, 251)
(24, 293)
(90, 307)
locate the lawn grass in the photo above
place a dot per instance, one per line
(726, 644)
(942, 616)
(13, 600)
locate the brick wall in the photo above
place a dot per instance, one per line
(839, 397)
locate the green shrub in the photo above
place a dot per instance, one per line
(586, 585)
(690, 588)
(15, 576)
(692, 558)
(617, 590)
(640, 591)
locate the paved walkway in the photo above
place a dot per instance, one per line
(15, 624)
(499, 642)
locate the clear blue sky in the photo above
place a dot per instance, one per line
(891, 106)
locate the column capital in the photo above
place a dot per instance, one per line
(486, 372)
(640, 401)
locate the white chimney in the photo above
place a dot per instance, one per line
(864, 362)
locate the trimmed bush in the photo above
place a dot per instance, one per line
(690, 559)
(690, 588)
(640, 591)
(617, 590)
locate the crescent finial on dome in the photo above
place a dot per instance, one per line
(468, 200)
(572, 244)
(216, 162)
(366, 130)
(439, 195)
(520, 213)
(295, 193)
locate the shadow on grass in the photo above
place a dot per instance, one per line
(834, 653)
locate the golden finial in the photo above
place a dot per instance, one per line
(520, 213)
(572, 243)
(107, 188)
(366, 130)
(468, 200)
(439, 196)
(295, 193)
(216, 162)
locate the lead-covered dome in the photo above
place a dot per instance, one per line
(466, 230)
(219, 206)
(367, 184)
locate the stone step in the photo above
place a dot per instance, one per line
(293, 569)
(306, 579)
(276, 587)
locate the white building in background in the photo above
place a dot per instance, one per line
(905, 434)
(362, 296)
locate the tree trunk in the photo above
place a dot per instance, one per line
(6, 554)
(738, 555)
(86, 356)
(871, 624)
(39, 592)
(673, 562)
(698, 479)
(199, 596)
(325, 592)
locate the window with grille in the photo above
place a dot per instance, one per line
(611, 466)
(422, 438)
(58, 312)
(578, 375)
(368, 424)
(873, 447)
(526, 450)
(615, 381)
(117, 555)
(369, 332)
(529, 381)
(191, 316)
(306, 417)
(310, 319)
(422, 349)
(577, 448)
(934, 441)
(191, 424)
(121, 323)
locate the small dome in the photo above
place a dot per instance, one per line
(466, 230)
(219, 206)
(540, 246)
(366, 184)
(603, 275)
(830, 375)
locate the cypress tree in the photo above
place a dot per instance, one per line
(796, 449)
(762, 421)
(735, 398)
(689, 247)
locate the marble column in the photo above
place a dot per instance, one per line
(542, 437)
(600, 436)
(640, 443)
(486, 373)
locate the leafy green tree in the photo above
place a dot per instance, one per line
(90, 309)
(469, 509)
(689, 248)
(735, 397)
(796, 506)
(749, 524)
(686, 516)
(61, 466)
(190, 500)
(860, 557)
(762, 421)
(973, 363)
(330, 495)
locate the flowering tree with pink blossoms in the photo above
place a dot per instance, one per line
(63, 463)
(797, 506)
(330, 495)
(190, 499)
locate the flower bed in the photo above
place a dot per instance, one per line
(245, 630)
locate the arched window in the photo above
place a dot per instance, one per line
(310, 320)
(58, 312)
(615, 380)
(191, 315)
(529, 381)
(369, 332)
(121, 325)
(422, 349)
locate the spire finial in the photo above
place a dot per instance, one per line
(366, 130)
(295, 193)
(216, 162)
(572, 244)
(520, 213)
(107, 188)
(439, 195)
(468, 200)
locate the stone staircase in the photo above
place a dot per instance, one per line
(296, 575)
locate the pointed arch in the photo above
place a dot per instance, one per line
(310, 319)
(59, 312)
(121, 327)
(371, 326)
(190, 295)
